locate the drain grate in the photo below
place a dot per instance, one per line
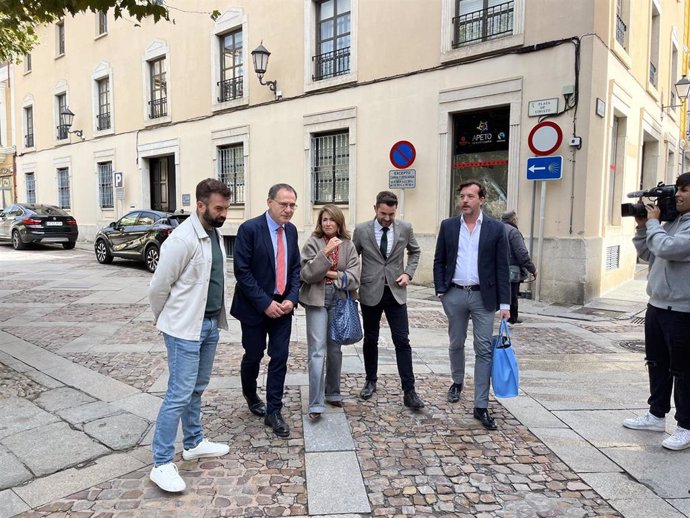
(637, 321)
(636, 346)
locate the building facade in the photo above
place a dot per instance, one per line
(7, 148)
(169, 104)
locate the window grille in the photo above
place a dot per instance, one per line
(62, 128)
(613, 257)
(230, 85)
(29, 125)
(158, 105)
(332, 39)
(330, 158)
(30, 181)
(103, 117)
(105, 185)
(102, 22)
(60, 28)
(231, 170)
(484, 24)
(63, 188)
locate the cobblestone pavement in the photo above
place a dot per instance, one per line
(438, 462)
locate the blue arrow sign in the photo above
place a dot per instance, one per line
(545, 168)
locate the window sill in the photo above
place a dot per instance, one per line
(226, 105)
(166, 119)
(103, 133)
(483, 47)
(27, 72)
(60, 56)
(651, 90)
(99, 36)
(312, 85)
(622, 54)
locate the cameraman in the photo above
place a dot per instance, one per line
(667, 322)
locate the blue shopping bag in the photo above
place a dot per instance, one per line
(505, 376)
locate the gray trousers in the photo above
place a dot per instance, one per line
(459, 305)
(325, 357)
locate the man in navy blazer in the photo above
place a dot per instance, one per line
(267, 267)
(471, 277)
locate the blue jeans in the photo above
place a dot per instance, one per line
(189, 367)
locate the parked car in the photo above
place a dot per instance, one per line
(26, 223)
(137, 235)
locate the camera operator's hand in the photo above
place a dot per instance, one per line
(653, 212)
(640, 221)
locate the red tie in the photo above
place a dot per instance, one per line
(280, 264)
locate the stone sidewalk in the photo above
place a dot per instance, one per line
(82, 373)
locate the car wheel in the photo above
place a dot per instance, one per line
(103, 255)
(151, 258)
(69, 245)
(17, 242)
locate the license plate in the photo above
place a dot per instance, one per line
(53, 223)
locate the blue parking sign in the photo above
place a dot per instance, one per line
(545, 167)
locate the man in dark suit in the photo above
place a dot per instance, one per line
(471, 277)
(267, 268)
(383, 289)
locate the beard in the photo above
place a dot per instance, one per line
(214, 222)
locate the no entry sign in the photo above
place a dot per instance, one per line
(545, 138)
(402, 154)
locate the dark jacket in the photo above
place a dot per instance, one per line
(494, 284)
(255, 270)
(519, 256)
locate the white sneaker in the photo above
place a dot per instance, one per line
(167, 478)
(648, 422)
(206, 449)
(679, 440)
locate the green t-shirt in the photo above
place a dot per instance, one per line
(216, 284)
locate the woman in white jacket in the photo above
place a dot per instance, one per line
(328, 257)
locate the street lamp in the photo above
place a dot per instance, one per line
(260, 57)
(682, 89)
(66, 119)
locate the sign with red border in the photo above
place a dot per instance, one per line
(545, 138)
(402, 154)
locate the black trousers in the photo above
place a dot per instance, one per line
(667, 348)
(396, 314)
(514, 291)
(254, 343)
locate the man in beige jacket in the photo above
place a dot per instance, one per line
(383, 289)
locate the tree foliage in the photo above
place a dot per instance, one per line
(19, 17)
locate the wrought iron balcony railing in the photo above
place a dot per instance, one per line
(620, 30)
(482, 25)
(331, 64)
(230, 89)
(29, 140)
(103, 121)
(158, 108)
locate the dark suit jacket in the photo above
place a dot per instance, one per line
(494, 277)
(255, 271)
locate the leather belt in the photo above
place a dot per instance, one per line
(471, 287)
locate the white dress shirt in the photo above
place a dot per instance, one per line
(390, 237)
(467, 260)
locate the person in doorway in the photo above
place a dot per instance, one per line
(520, 263)
(666, 247)
(267, 265)
(383, 289)
(329, 260)
(471, 278)
(188, 303)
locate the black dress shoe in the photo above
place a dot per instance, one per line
(483, 415)
(275, 421)
(368, 390)
(412, 400)
(338, 403)
(256, 406)
(454, 392)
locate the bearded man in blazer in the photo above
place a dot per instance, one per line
(471, 277)
(383, 289)
(267, 267)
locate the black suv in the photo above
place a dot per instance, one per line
(137, 235)
(25, 223)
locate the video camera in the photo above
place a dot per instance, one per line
(665, 196)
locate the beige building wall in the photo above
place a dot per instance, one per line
(405, 81)
(7, 184)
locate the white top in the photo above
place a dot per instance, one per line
(467, 260)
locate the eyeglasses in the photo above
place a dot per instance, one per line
(285, 206)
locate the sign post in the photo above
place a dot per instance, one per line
(402, 155)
